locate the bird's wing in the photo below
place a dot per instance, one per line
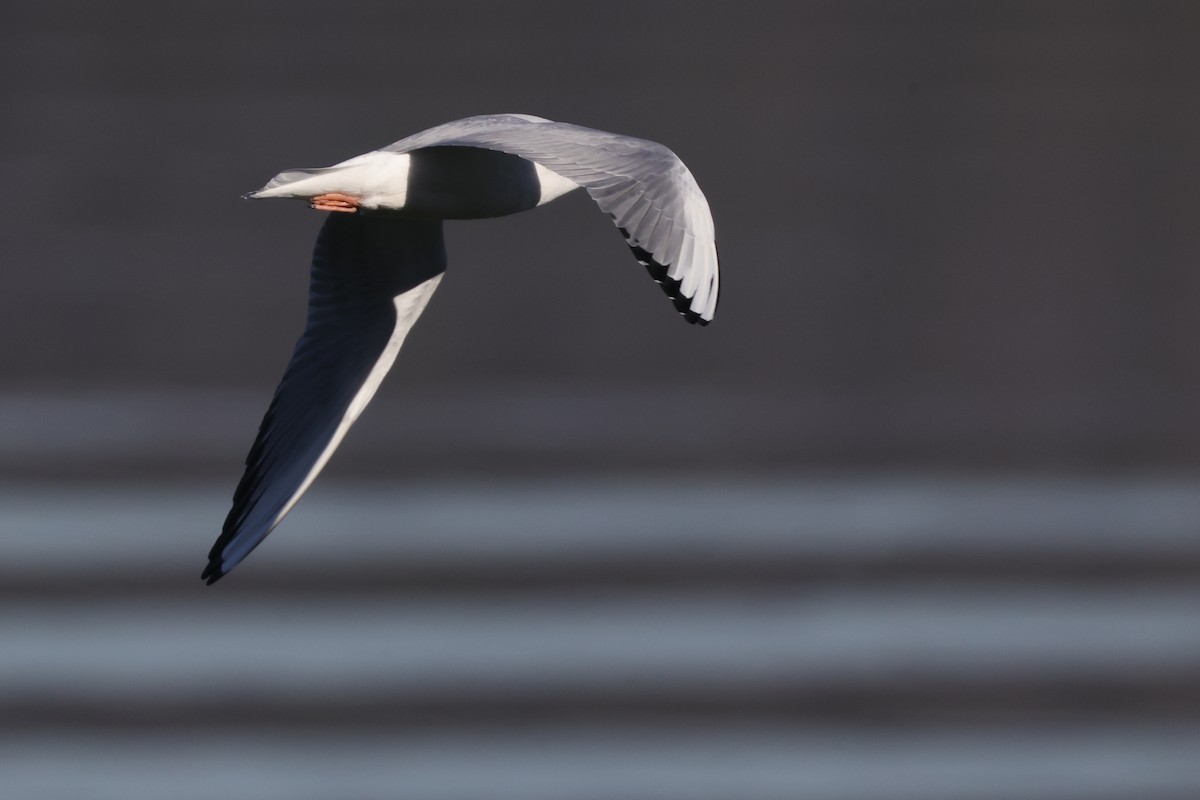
(372, 275)
(649, 193)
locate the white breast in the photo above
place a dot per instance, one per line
(378, 179)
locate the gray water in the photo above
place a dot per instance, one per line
(900, 636)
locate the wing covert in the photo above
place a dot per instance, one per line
(649, 193)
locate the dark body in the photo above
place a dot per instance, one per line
(469, 183)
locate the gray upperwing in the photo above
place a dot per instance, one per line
(371, 277)
(650, 194)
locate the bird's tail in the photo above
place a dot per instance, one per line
(300, 183)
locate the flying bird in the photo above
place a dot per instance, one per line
(380, 255)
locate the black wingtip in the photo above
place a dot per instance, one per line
(212, 573)
(669, 285)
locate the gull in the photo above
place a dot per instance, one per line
(380, 255)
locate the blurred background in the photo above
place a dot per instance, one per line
(914, 518)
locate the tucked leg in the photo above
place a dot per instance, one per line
(334, 202)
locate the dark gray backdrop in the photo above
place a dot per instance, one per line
(950, 233)
(915, 518)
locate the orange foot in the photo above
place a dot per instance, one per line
(334, 202)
